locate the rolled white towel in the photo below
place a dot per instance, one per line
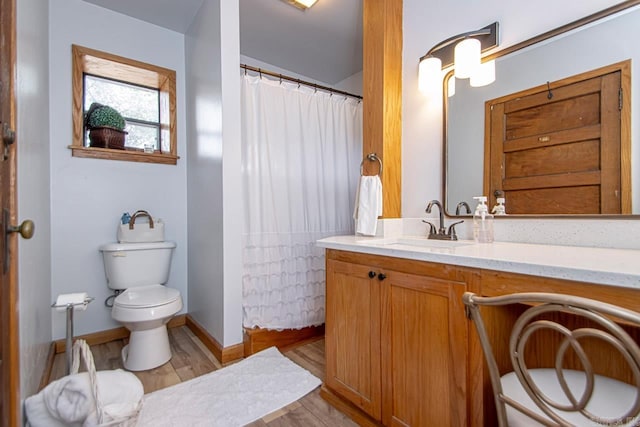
(39, 416)
(69, 401)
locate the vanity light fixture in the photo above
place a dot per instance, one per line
(301, 4)
(466, 58)
(463, 52)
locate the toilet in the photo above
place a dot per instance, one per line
(145, 306)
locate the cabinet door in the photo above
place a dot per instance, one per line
(352, 335)
(425, 336)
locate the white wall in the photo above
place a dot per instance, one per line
(214, 183)
(88, 196)
(32, 92)
(233, 208)
(352, 84)
(426, 24)
(244, 59)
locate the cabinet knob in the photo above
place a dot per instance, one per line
(372, 274)
(382, 276)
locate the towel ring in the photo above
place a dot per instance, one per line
(371, 157)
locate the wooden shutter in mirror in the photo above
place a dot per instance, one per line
(560, 150)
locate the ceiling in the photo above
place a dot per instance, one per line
(175, 15)
(323, 43)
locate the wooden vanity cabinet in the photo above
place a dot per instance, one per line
(400, 348)
(397, 338)
(352, 335)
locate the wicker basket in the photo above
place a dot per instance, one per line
(107, 137)
(117, 414)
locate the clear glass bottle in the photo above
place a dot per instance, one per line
(482, 222)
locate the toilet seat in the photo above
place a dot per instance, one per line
(146, 297)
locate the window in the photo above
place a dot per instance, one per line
(143, 94)
(139, 105)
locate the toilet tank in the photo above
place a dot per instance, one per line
(128, 265)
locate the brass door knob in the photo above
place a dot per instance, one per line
(26, 229)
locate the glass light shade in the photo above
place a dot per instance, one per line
(306, 3)
(429, 74)
(466, 58)
(451, 86)
(485, 74)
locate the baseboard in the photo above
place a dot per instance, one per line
(176, 321)
(257, 339)
(95, 338)
(348, 408)
(103, 337)
(223, 354)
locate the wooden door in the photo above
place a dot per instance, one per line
(352, 335)
(560, 151)
(425, 346)
(9, 365)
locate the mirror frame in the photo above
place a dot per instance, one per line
(506, 51)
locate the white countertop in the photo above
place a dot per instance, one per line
(618, 267)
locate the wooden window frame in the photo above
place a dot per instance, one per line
(102, 64)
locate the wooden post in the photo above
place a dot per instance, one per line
(382, 93)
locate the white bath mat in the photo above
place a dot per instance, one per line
(232, 396)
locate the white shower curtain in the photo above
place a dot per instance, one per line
(301, 153)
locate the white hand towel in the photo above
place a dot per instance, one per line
(368, 206)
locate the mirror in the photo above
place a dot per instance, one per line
(593, 42)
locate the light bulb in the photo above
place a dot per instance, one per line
(429, 74)
(466, 58)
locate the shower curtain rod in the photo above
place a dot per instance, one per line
(295, 80)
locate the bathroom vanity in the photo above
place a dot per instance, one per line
(400, 349)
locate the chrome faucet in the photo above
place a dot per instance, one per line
(441, 233)
(428, 210)
(465, 205)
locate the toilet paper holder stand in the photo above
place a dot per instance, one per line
(69, 308)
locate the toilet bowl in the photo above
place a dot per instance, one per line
(145, 305)
(145, 311)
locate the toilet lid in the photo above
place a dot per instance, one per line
(147, 296)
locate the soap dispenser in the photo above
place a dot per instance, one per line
(482, 222)
(499, 209)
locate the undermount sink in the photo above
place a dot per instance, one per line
(431, 243)
(422, 242)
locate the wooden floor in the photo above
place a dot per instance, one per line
(191, 359)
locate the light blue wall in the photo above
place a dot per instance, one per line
(214, 167)
(88, 196)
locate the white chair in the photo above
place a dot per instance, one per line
(557, 396)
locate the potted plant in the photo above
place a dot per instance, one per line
(106, 126)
